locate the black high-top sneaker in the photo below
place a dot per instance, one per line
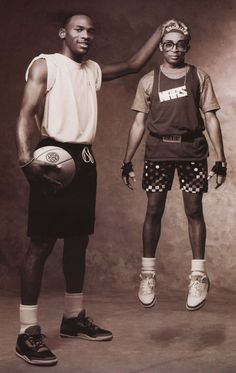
(31, 348)
(83, 327)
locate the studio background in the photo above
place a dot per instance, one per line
(113, 257)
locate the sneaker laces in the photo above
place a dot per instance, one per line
(197, 284)
(37, 342)
(147, 283)
(88, 322)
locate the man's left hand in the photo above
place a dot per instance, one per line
(220, 170)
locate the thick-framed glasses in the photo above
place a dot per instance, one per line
(181, 45)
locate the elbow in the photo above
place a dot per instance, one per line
(133, 66)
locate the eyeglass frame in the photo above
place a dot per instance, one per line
(176, 45)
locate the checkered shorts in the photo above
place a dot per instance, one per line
(158, 175)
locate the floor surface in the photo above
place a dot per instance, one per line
(164, 339)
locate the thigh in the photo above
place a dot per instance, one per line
(193, 176)
(158, 175)
(71, 211)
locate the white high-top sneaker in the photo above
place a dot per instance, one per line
(147, 289)
(198, 290)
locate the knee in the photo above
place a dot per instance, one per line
(41, 247)
(154, 212)
(194, 212)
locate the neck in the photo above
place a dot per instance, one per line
(68, 53)
(166, 65)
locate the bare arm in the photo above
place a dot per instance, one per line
(26, 127)
(135, 136)
(214, 132)
(134, 63)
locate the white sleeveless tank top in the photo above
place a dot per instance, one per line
(70, 111)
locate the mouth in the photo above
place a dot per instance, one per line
(84, 45)
(175, 57)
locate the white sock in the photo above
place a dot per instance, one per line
(148, 265)
(28, 316)
(198, 265)
(73, 304)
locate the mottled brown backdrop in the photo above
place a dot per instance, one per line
(114, 252)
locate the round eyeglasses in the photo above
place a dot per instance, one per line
(181, 45)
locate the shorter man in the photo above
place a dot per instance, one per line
(174, 94)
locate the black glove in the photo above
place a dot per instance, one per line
(220, 170)
(126, 169)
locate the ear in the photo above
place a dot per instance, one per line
(189, 47)
(62, 33)
(161, 47)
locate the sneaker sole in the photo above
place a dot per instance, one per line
(200, 305)
(189, 308)
(86, 337)
(148, 305)
(37, 362)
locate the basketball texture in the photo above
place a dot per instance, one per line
(57, 156)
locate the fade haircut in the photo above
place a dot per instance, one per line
(67, 17)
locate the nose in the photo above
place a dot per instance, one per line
(85, 35)
(174, 48)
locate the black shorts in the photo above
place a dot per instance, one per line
(158, 175)
(71, 211)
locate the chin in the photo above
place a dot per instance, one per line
(176, 63)
(81, 53)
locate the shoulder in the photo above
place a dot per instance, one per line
(92, 65)
(146, 82)
(203, 76)
(41, 67)
(38, 69)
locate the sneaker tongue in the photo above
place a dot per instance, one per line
(33, 330)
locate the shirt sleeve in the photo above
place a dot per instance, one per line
(142, 98)
(51, 70)
(208, 100)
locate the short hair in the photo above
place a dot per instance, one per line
(68, 16)
(61, 19)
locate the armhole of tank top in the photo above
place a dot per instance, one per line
(155, 84)
(48, 62)
(196, 75)
(51, 74)
(98, 81)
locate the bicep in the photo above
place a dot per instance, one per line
(139, 122)
(210, 117)
(114, 70)
(35, 88)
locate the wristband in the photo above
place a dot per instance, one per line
(26, 164)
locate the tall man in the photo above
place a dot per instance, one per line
(175, 94)
(60, 97)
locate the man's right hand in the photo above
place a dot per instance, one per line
(39, 172)
(128, 175)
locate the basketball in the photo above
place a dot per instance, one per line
(57, 156)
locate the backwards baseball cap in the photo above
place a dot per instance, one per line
(176, 26)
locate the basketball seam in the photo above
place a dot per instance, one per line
(55, 149)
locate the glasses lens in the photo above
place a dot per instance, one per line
(168, 45)
(180, 45)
